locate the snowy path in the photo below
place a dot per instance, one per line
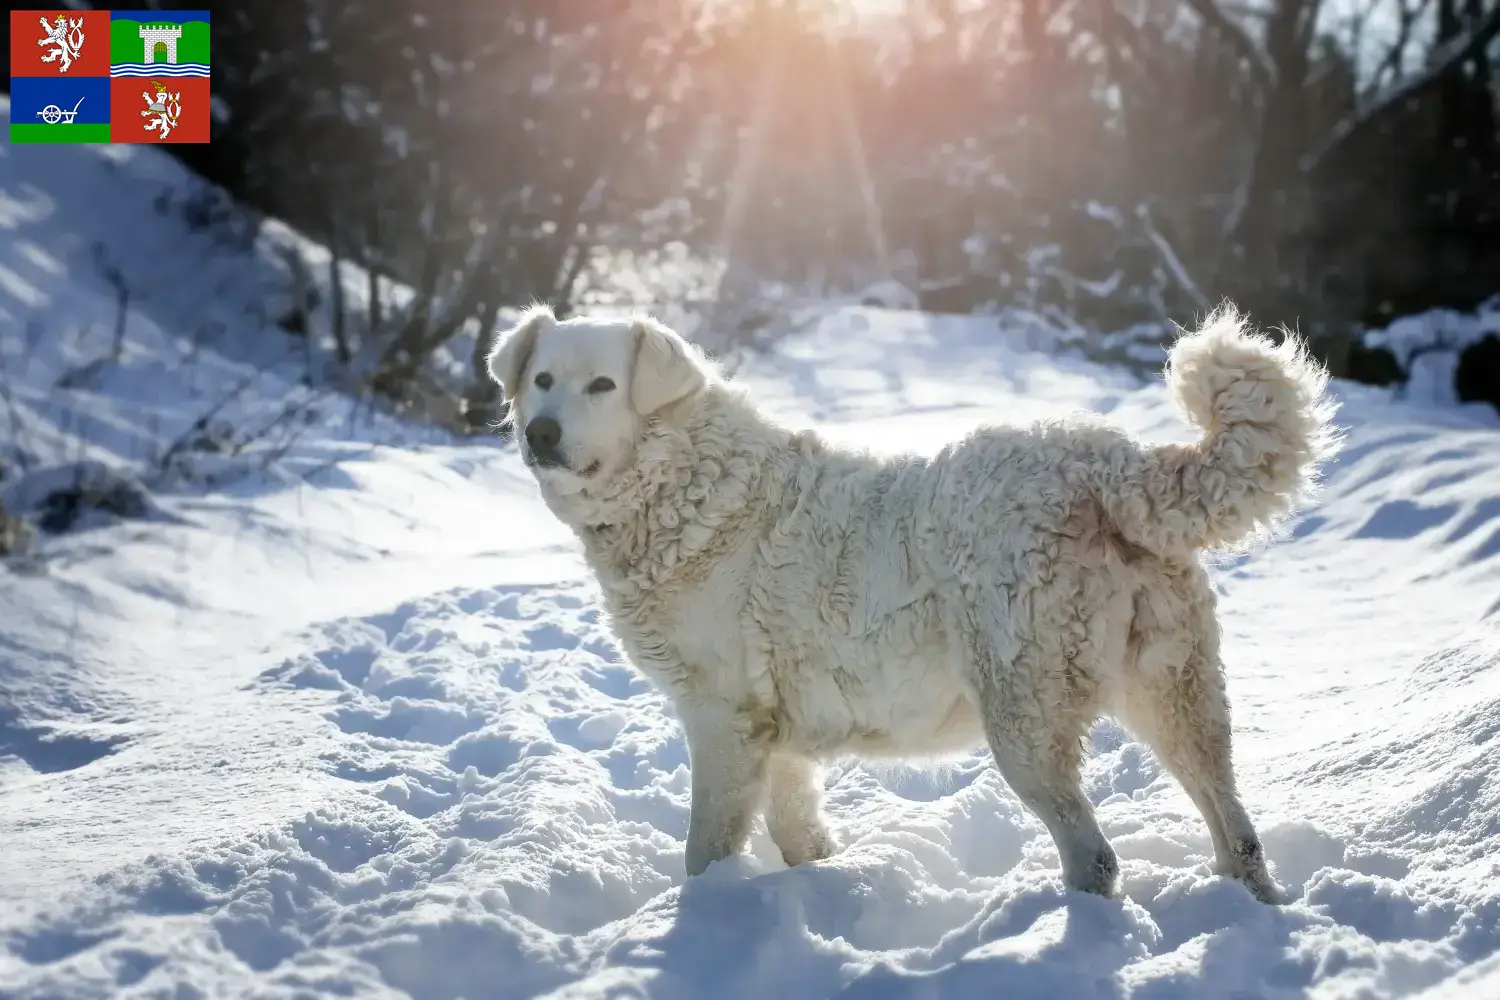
(368, 738)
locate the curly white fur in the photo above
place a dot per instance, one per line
(800, 602)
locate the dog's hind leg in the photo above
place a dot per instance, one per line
(794, 813)
(1181, 709)
(1037, 742)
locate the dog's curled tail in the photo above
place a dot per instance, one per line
(1267, 424)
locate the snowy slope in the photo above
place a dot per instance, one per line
(349, 726)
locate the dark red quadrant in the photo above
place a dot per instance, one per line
(91, 57)
(132, 95)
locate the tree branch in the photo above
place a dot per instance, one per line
(1446, 59)
(1406, 20)
(1213, 17)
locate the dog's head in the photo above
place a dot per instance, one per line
(582, 391)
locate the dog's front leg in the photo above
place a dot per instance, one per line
(728, 772)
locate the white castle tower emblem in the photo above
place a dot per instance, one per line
(161, 34)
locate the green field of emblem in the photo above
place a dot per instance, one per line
(75, 132)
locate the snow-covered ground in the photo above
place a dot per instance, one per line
(346, 724)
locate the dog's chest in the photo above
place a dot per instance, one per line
(695, 634)
(706, 628)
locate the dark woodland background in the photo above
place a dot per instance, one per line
(1328, 164)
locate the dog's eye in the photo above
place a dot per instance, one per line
(601, 384)
(543, 381)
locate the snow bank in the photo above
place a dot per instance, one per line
(1428, 346)
(140, 351)
(351, 726)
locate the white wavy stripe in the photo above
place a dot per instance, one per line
(145, 69)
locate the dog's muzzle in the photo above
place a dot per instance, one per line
(544, 443)
(545, 459)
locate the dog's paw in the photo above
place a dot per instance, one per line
(810, 844)
(1248, 865)
(702, 851)
(1097, 873)
(1265, 890)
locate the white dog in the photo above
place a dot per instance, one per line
(800, 602)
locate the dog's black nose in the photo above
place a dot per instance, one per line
(544, 434)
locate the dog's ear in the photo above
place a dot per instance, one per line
(513, 347)
(666, 368)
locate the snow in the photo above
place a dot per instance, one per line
(336, 716)
(1427, 346)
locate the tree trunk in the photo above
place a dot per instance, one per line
(1274, 172)
(374, 248)
(336, 303)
